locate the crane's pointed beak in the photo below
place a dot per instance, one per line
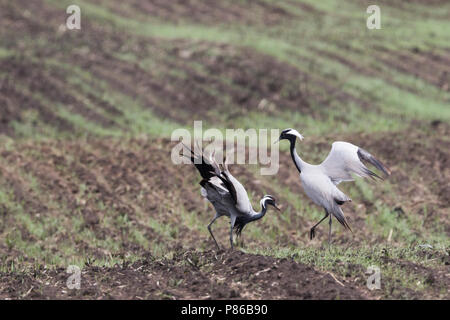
(276, 207)
(276, 141)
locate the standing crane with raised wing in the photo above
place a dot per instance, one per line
(320, 181)
(227, 195)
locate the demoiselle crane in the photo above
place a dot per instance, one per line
(227, 195)
(320, 181)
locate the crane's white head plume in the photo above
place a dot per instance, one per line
(289, 134)
(269, 200)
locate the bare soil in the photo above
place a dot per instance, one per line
(188, 275)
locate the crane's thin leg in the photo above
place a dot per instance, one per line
(210, 231)
(312, 232)
(329, 232)
(232, 221)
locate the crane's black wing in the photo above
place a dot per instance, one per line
(211, 174)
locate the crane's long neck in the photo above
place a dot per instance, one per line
(260, 214)
(299, 163)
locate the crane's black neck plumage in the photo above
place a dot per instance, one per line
(241, 221)
(261, 213)
(294, 155)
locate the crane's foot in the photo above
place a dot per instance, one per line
(312, 233)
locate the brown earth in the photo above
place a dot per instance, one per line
(252, 77)
(196, 11)
(432, 67)
(207, 74)
(188, 275)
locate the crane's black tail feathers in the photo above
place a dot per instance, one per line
(339, 215)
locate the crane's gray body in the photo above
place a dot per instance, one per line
(221, 200)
